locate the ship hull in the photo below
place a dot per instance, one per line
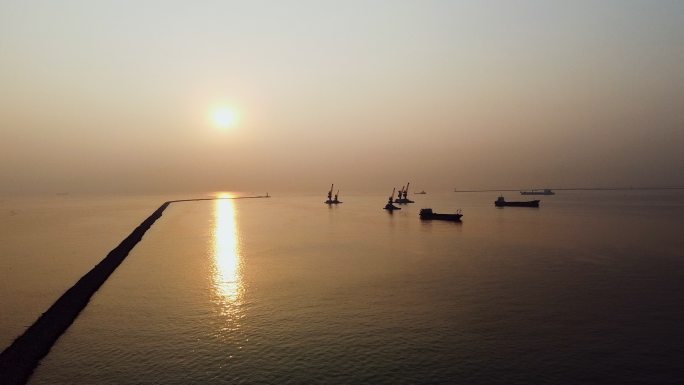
(534, 203)
(403, 201)
(546, 191)
(442, 217)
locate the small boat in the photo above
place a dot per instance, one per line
(421, 192)
(501, 202)
(331, 200)
(389, 206)
(545, 191)
(402, 195)
(426, 214)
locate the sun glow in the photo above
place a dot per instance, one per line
(225, 117)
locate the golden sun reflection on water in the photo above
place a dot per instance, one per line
(227, 265)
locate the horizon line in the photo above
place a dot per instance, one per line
(577, 189)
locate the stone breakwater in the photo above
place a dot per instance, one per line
(18, 361)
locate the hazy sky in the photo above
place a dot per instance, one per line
(116, 96)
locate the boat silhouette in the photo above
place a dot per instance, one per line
(545, 191)
(427, 214)
(389, 206)
(331, 200)
(501, 202)
(402, 195)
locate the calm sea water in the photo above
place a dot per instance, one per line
(587, 289)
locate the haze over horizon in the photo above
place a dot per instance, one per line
(118, 96)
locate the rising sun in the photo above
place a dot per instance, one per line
(225, 117)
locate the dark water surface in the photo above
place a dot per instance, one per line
(586, 289)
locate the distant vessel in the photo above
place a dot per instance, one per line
(426, 214)
(501, 202)
(402, 196)
(545, 191)
(389, 206)
(331, 200)
(421, 192)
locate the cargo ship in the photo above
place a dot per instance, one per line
(545, 191)
(501, 202)
(426, 214)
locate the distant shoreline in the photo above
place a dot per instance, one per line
(581, 189)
